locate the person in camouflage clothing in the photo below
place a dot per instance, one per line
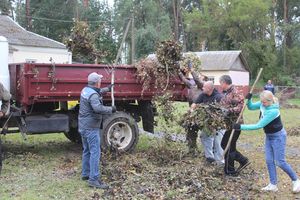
(233, 102)
(4, 97)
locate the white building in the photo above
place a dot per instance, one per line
(214, 64)
(26, 46)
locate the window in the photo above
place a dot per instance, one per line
(211, 78)
(30, 60)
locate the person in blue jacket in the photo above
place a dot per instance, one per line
(269, 86)
(275, 140)
(90, 120)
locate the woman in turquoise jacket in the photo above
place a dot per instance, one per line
(275, 141)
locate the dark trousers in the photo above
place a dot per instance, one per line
(232, 154)
(191, 137)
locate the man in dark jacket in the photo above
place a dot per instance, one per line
(233, 101)
(212, 144)
(89, 123)
(269, 86)
(4, 97)
(194, 85)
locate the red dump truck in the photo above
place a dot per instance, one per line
(41, 92)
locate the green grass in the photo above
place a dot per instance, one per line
(49, 166)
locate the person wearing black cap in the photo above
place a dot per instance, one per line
(89, 123)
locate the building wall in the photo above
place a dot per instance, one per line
(39, 55)
(238, 77)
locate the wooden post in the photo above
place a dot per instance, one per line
(116, 61)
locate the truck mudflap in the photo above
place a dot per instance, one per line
(48, 123)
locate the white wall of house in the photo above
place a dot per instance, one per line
(39, 55)
(238, 77)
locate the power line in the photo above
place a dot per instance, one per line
(72, 21)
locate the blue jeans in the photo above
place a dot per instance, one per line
(91, 153)
(275, 155)
(212, 145)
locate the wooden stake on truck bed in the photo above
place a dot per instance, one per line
(116, 61)
(241, 113)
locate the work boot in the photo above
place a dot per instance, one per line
(210, 160)
(243, 165)
(85, 178)
(97, 184)
(232, 173)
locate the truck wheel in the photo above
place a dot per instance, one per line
(122, 129)
(73, 135)
(146, 110)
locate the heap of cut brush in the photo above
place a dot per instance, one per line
(158, 70)
(190, 59)
(208, 118)
(165, 106)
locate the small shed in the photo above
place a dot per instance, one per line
(214, 64)
(26, 46)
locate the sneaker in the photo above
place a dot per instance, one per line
(270, 187)
(210, 160)
(84, 178)
(231, 173)
(98, 184)
(243, 166)
(296, 186)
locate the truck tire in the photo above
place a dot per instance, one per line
(146, 110)
(123, 129)
(73, 135)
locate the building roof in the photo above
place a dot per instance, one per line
(222, 60)
(17, 35)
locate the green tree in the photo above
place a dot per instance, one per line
(5, 7)
(152, 23)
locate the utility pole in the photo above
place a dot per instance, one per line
(85, 3)
(285, 33)
(175, 13)
(132, 40)
(28, 17)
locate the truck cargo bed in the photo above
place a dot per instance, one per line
(33, 82)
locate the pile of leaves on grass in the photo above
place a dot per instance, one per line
(294, 131)
(207, 117)
(165, 172)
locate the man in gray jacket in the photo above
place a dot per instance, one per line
(90, 120)
(4, 97)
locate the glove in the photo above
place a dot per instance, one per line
(110, 86)
(249, 96)
(190, 64)
(236, 127)
(113, 109)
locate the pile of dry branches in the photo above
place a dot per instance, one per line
(158, 70)
(207, 117)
